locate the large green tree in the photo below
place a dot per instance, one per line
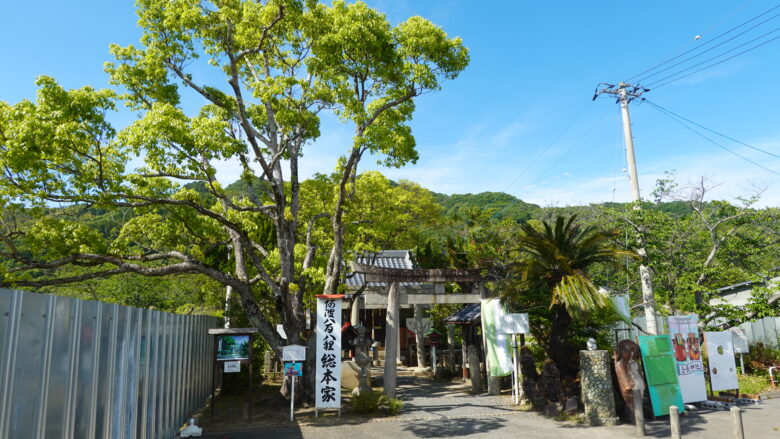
(555, 259)
(266, 71)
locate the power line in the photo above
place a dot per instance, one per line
(574, 146)
(549, 145)
(714, 57)
(712, 131)
(679, 121)
(713, 48)
(703, 44)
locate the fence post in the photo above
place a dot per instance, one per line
(639, 413)
(674, 421)
(736, 417)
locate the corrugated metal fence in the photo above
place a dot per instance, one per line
(766, 331)
(71, 368)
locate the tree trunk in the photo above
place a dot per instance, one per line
(558, 348)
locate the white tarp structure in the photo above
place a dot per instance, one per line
(328, 360)
(723, 368)
(684, 332)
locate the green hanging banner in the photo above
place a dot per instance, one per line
(661, 373)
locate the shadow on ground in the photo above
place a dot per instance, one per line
(454, 427)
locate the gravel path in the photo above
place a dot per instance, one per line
(434, 409)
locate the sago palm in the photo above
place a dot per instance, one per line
(556, 258)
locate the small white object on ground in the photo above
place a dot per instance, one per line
(191, 430)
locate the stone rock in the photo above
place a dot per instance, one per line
(551, 382)
(552, 409)
(572, 405)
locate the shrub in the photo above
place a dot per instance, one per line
(368, 403)
(394, 405)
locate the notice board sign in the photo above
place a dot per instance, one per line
(515, 323)
(232, 366)
(293, 353)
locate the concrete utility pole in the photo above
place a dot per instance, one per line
(625, 94)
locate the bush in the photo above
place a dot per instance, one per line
(394, 405)
(760, 358)
(368, 403)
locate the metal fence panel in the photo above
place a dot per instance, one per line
(62, 324)
(82, 369)
(27, 389)
(770, 331)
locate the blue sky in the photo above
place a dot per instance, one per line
(520, 118)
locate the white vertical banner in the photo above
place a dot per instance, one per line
(723, 367)
(684, 331)
(328, 361)
(498, 354)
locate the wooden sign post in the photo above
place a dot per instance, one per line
(232, 346)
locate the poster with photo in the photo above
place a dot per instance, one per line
(684, 331)
(232, 347)
(328, 360)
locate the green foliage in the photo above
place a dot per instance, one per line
(370, 402)
(753, 384)
(760, 358)
(497, 205)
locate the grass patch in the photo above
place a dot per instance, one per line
(753, 383)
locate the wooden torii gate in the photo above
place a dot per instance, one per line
(394, 276)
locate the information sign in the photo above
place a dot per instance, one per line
(293, 369)
(293, 352)
(232, 366)
(516, 323)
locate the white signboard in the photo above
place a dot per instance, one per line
(684, 331)
(740, 340)
(328, 361)
(293, 353)
(516, 323)
(232, 366)
(723, 368)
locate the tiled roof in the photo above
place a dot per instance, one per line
(384, 259)
(470, 313)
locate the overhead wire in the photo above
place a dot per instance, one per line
(713, 131)
(658, 72)
(549, 145)
(681, 122)
(571, 148)
(655, 87)
(698, 47)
